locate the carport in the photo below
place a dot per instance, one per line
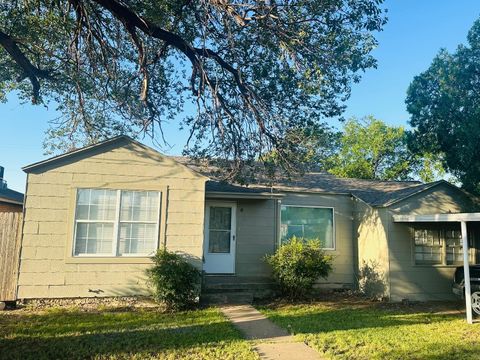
(463, 219)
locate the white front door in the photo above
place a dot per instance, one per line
(219, 245)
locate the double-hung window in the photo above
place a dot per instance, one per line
(309, 223)
(428, 246)
(116, 222)
(439, 245)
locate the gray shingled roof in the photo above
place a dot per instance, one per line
(373, 192)
(10, 195)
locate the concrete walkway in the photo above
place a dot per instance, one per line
(272, 342)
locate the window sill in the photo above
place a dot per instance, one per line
(436, 266)
(108, 260)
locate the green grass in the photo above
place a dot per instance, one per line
(359, 330)
(120, 334)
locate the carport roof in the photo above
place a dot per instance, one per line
(457, 217)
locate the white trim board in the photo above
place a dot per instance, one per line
(458, 217)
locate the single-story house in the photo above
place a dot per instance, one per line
(10, 200)
(93, 217)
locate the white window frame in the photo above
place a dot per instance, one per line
(116, 226)
(334, 236)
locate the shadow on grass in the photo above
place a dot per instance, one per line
(460, 352)
(77, 335)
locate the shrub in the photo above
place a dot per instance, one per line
(297, 264)
(176, 283)
(371, 282)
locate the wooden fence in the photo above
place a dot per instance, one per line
(10, 241)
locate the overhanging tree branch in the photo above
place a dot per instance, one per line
(255, 69)
(133, 21)
(28, 69)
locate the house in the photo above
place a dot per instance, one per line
(94, 216)
(10, 200)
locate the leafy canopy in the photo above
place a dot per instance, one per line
(252, 70)
(444, 104)
(370, 149)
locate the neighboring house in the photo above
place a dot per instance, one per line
(93, 216)
(10, 200)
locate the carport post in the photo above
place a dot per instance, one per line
(466, 273)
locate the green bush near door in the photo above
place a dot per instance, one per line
(175, 281)
(297, 265)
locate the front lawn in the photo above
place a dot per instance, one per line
(120, 334)
(348, 329)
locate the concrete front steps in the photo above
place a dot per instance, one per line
(217, 289)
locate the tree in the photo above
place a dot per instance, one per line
(311, 147)
(370, 149)
(254, 70)
(444, 104)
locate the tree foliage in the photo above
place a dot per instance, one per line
(311, 147)
(444, 104)
(253, 70)
(370, 149)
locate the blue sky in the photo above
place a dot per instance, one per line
(415, 32)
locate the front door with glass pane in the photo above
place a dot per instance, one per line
(219, 246)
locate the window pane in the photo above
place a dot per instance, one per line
(308, 223)
(139, 206)
(93, 238)
(454, 248)
(289, 231)
(219, 241)
(96, 204)
(428, 254)
(220, 218)
(137, 238)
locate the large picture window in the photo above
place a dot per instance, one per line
(116, 222)
(439, 245)
(308, 223)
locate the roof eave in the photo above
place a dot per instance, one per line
(10, 201)
(240, 195)
(120, 138)
(311, 191)
(39, 164)
(431, 185)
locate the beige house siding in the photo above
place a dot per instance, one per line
(343, 264)
(47, 267)
(421, 282)
(256, 235)
(372, 244)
